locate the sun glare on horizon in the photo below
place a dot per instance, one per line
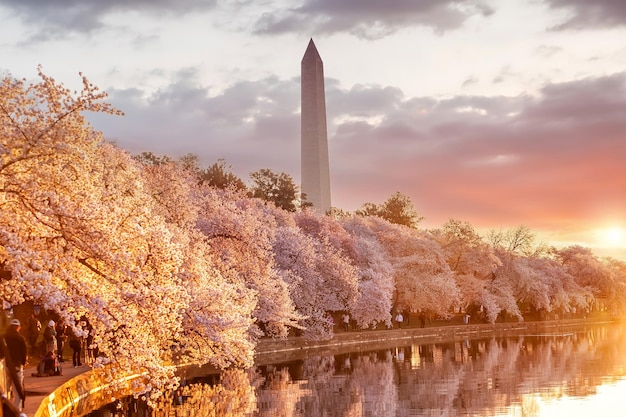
(613, 237)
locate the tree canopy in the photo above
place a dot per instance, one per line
(220, 175)
(169, 267)
(279, 189)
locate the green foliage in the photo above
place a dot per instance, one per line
(303, 202)
(369, 209)
(219, 175)
(150, 159)
(280, 189)
(398, 209)
(190, 162)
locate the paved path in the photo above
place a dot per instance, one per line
(37, 388)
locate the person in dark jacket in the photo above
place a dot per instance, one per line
(76, 345)
(61, 337)
(33, 327)
(17, 350)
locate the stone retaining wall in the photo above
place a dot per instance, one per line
(276, 351)
(83, 394)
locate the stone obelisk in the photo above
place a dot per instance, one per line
(314, 138)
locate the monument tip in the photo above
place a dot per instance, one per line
(311, 51)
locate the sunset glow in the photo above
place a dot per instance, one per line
(607, 401)
(498, 113)
(612, 237)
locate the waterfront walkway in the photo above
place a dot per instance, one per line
(37, 388)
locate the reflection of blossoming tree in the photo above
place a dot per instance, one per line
(372, 378)
(473, 377)
(280, 395)
(233, 396)
(330, 392)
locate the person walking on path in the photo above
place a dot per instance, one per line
(75, 345)
(15, 351)
(33, 328)
(422, 320)
(61, 336)
(346, 322)
(50, 337)
(399, 319)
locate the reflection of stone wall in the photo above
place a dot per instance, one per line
(83, 394)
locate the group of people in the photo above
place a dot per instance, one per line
(46, 343)
(52, 339)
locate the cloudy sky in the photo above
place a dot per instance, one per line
(495, 112)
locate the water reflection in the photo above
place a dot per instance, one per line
(531, 375)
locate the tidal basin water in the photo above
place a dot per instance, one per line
(579, 373)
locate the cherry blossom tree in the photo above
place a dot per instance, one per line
(617, 269)
(175, 193)
(514, 280)
(219, 316)
(81, 234)
(557, 289)
(296, 259)
(472, 260)
(601, 278)
(500, 294)
(376, 284)
(332, 244)
(241, 232)
(322, 280)
(423, 279)
(76, 230)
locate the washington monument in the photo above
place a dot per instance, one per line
(314, 138)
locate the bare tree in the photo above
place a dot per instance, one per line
(519, 240)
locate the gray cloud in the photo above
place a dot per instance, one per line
(57, 18)
(556, 156)
(469, 81)
(553, 157)
(239, 124)
(370, 19)
(591, 13)
(364, 100)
